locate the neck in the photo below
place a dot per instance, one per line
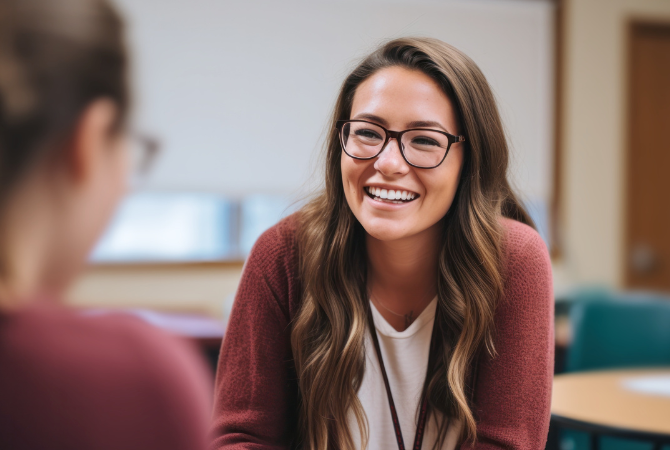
(26, 239)
(403, 273)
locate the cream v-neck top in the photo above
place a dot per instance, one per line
(405, 356)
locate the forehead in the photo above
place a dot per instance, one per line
(400, 96)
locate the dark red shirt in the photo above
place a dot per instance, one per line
(69, 381)
(256, 394)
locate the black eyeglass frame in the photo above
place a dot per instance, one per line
(397, 135)
(150, 149)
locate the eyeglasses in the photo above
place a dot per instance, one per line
(422, 148)
(142, 154)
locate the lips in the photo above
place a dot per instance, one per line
(391, 195)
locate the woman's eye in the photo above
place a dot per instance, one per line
(425, 142)
(368, 135)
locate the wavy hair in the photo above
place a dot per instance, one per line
(329, 330)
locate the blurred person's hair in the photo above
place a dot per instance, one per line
(329, 330)
(56, 57)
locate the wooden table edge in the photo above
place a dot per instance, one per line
(609, 430)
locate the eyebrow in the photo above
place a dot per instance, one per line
(414, 124)
(425, 124)
(372, 118)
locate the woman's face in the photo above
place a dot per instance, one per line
(397, 99)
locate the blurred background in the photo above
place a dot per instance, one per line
(239, 94)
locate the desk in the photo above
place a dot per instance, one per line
(630, 404)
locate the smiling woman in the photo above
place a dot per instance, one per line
(408, 303)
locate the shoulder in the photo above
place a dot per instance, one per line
(116, 370)
(522, 245)
(278, 244)
(273, 262)
(526, 262)
(109, 351)
(517, 235)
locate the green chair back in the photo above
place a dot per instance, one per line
(618, 330)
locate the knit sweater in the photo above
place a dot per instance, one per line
(98, 382)
(256, 392)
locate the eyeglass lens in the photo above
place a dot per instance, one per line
(422, 148)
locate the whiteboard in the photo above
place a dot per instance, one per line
(227, 85)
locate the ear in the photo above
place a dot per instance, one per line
(91, 138)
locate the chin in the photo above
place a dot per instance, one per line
(384, 231)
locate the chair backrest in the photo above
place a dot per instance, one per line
(619, 330)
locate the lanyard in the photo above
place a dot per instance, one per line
(418, 437)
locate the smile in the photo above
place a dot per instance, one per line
(390, 195)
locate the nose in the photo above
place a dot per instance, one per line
(390, 161)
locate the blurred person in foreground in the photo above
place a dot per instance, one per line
(69, 381)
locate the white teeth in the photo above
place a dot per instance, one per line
(391, 194)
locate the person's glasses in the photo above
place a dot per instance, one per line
(423, 148)
(142, 154)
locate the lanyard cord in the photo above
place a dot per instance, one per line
(418, 437)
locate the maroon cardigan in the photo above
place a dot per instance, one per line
(108, 382)
(256, 393)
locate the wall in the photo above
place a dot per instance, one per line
(240, 92)
(199, 288)
(594, 117)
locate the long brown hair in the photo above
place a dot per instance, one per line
(56, 57)
(329, 330)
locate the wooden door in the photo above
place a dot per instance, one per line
(648, 159)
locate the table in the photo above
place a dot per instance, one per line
(629, 404)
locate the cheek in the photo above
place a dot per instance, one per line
(123, 168)
(443, 184)
(116, 179)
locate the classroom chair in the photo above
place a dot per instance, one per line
(616, 330)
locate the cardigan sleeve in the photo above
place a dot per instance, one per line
(255, 405)
(513, 390)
